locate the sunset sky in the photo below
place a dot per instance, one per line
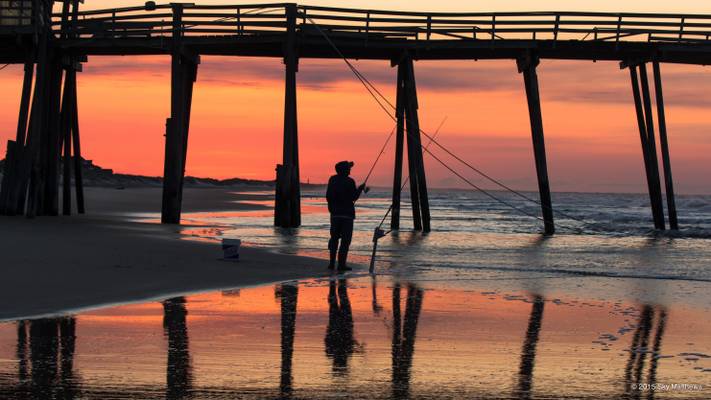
(236, 127)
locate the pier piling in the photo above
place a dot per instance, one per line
(664, 146)
(287, 211)
(183, 75)
(652, 148)
(648, 155)
(399, 144)
(527, 66)
(407, 120)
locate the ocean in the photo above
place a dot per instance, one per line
(476, 237)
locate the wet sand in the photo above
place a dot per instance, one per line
(358, 338)
(55, 264)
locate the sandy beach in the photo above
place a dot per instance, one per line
(57, 264)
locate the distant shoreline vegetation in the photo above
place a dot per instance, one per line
(95, 175)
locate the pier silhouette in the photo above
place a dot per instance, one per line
(53, 46)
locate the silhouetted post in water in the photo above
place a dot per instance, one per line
(651, 145)
(527, 66)
(638, 351)
(657, 347)
(44, 346)
(399, 144)
(403, 345)
(649, 156)
(183, 75)
(339, 341)
(22, 355)
(407, 118)
(288, 206)
(179, 370)
(528, 351)
(288, 295)
(662, 120)
(67, 340)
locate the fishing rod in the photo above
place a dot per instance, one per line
(379, 233)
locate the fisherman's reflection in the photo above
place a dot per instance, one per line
(288, 295)
(634, 370)
(339, 340)
(175, 328)
(45, 353)
(404, 333)
(528, 351)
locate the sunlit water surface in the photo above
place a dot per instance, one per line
(482, 307)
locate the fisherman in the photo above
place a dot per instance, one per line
(342, 195)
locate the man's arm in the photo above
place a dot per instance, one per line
(330, 194)
(357, 192)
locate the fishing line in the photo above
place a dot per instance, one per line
(382, 150)
(372, 90)
(4, 66)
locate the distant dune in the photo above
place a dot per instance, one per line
(95, 175)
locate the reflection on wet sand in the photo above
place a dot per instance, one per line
(639, 349)
(403, 343)
(339, 341)
(528, 351)
(288, 295)
(45, 355)
(179, 370)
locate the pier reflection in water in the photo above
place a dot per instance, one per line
(45, 361)
(175, 328)
(350, 338)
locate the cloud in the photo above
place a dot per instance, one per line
(561, 81)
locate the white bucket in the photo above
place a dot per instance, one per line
(230, 249)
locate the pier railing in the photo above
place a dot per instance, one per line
(16, 13)
(154, 20)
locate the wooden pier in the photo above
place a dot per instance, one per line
(53, 38)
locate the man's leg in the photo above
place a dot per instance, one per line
(346, 235)
(333, 242)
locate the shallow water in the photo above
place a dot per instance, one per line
(360, 338)
(482, 307)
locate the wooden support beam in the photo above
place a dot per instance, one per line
(25, 104)
(51, 149)
(641, 123)
(9, 190)
(664, 145)
(78, 165)
(527, 66)
(399, 143)
(658, 207)
(183, 75)
(31, 160)
(418, 180)
(66, 140)
(289, 181)
(8, 179)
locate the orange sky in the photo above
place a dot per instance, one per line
(591, 133)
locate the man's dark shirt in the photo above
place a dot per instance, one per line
(341, 195)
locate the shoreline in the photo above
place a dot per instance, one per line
(55, 265)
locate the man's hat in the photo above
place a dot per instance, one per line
(344, 165)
